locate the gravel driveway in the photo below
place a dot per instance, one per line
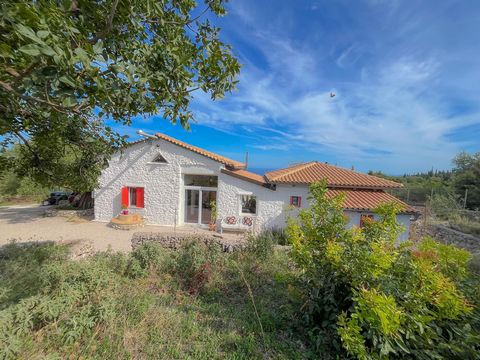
(26, 223)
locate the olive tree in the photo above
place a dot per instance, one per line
(68, 65)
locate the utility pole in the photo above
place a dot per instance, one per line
(465, 198)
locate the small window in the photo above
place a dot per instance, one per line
(365, 218)
(296, 201)
(201, 180)
(249, 204)
(133, 197)
(159, 159)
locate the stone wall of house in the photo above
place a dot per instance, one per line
(162, 182)
(174, 241)
(68, 213)
(445, 235)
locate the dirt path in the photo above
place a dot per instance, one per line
(26, 223)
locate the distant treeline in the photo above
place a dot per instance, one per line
(463, 181)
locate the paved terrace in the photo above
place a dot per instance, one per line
(27, 223)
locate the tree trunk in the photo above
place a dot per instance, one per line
(86, 201)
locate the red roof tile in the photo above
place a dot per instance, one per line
(368, 199)
(336, 177)
(221, 159)
(246, 175)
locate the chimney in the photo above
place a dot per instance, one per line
(246, 160)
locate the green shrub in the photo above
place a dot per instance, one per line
(368, 298)
(261, 245)
(445, 206)
(193, 262)
(49, 294)
(149, 256)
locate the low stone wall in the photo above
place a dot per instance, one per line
(174, 241)
(446, 235)
(68, 213)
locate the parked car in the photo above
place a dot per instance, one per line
(55, 197)
(72, 197)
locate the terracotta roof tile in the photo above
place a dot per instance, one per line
(368, 199)
(247, 176)
(336, 177)
(221, 159)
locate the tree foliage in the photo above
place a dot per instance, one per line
(367, 297)
(65, 66)
(467, 177)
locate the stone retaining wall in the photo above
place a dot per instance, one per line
(174, 241)
(446, 235)
(68, 213)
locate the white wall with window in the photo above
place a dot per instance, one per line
(139, 165)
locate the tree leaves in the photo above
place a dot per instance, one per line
(72, 63)
(30, 49)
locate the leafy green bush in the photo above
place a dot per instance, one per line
(445, 206)
(261, 245)
(369, 298)
(193, 262)
(149, 256)
(65, 299)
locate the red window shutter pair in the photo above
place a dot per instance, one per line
(140, 197)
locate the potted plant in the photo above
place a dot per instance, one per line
(124, 209)
(213, 216)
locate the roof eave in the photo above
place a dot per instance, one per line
(337, 186)
(238, 176)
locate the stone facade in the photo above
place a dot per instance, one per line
(164, 192)
(68, 213)
(174, 241)
(446, 235)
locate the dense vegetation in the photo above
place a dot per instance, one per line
(337, 294)
(154, 303)
(370, 299)
(18, 189)
(463, 179)
(73, 72)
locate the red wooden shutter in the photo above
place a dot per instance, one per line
(291, 200)
(140, 201)
(299, 201)
(125, 196)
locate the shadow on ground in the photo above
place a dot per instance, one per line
(15, 215)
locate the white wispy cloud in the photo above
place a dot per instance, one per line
(393, 112)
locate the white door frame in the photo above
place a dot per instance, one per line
(200, 189)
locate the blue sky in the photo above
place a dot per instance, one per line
(406, 75)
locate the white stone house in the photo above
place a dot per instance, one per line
(172, 183)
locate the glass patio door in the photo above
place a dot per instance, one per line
(192, 202)
(198, 209)
(207, 197)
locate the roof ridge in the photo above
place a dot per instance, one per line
(214, 156)
(356, 172)
(293, 168)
